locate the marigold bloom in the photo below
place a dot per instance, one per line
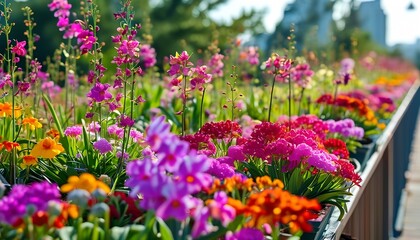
(47, 148)
(32, 122)
(6, 110)
(85, 181)
(277, 206)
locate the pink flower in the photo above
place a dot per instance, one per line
(19, 48)
(199, 77)
(73, 131)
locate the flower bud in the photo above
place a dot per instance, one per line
(100, 210)
(99, 195)
(54, 208)
(79, 197)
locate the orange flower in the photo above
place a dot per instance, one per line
(53, 133)
(29, 160)
(9, 145)
(47, 148)
(278, 206)
(68, 210)
(6, 110)
(32, 122)
(86, 181)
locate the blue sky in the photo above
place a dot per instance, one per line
(401, 23)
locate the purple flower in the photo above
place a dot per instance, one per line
(177, 203)
(73, 131)
(100, 92)
(157, 131)
(192, 172)
(103, 146)
(14, 206)
(245, 234)
(221, 170)
(172, 152)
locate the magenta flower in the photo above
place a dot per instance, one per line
(202, 224)
(73, 131)
(114, 130)
(323, 160)
(94, 127)
(216, 65)
(180, 66)
(199, 77)
(99, 92)
(73, 30)
(148, 55)
(86, 39)
(220, 170)
(278, 66)
(19, 49)
(302, 75)
(219, 209)
(126, 121)
(130, 48)
(103, 146)
(344, 75)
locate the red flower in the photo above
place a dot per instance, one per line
(221, 130)
(337, 147)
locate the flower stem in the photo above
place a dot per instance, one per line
(300, 100)
(184, 105)
(202, 107)
(290, 103)
(271, 97)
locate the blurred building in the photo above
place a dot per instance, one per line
(372, 19)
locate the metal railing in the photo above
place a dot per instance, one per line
(373, 208)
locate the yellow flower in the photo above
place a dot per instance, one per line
(6, 110)
(47, 148)
(29, 160)
(85, 181)
(32, 122)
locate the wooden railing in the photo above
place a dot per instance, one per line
(373, 208)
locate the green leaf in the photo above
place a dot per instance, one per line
(165, 232)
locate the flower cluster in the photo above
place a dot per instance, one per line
(27, 199)
(279, 67)
(221, 130)
(346, 128)
(302, 74)
(168, 176)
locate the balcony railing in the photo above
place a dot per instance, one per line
(373, 208)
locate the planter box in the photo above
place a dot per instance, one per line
(364, 153)
(319, 225)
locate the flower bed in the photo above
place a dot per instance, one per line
(196, 151)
